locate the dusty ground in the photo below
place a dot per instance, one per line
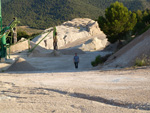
(60, 88)
(126, 91)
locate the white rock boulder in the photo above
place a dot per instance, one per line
(69, 32)
(94, 44)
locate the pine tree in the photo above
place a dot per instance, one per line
(117, 22)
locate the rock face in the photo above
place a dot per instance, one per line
(69, 32)
(84, 24)
(94, 44)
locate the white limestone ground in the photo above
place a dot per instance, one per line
(64, 63)
(76, 92)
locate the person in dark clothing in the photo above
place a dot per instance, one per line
(76, 60)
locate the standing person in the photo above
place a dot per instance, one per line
(76, 60)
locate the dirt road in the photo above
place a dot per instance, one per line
(126, 91)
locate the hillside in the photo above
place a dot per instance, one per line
(5, 1)
(125, 57)
(42, 14)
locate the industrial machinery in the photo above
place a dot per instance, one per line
(4, 32)
(48, 32)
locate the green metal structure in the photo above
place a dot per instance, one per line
(54, 31)
(3, 38)
(48, 32)
(40, 40)
(4, 32)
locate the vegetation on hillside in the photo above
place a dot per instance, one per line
(42, 14)
(100, 60)
(120, 24)
(5, 1)
(143, 61)
(143, 22)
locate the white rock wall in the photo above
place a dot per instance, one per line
(69, 32)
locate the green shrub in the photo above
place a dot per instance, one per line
(21, 34)
(2, 70)
(140, 62)
(143, 61)
(93, 63)
(99, 60)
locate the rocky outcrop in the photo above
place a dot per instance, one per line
(94, 44)
(69, 32)
(84, 24)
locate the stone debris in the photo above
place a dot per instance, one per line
(94, 44)
(21, 65)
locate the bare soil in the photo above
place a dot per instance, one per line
(120, 91)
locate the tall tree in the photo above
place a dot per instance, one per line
(143, 21)
(139, 15)
(117, 22)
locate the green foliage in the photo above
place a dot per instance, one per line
(143, 61)
(118, 21)
(2, 70)
(99, 60)
(143, 22)
(139, 15)
(5, 1)
(22, 34)
(42, 14)
(140, 62)
(93, 63)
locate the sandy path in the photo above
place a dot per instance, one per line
(76, 92)
(64, 63)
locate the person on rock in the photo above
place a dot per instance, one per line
(76, 60)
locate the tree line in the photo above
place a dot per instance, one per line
(42, 14)
(119, 23)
